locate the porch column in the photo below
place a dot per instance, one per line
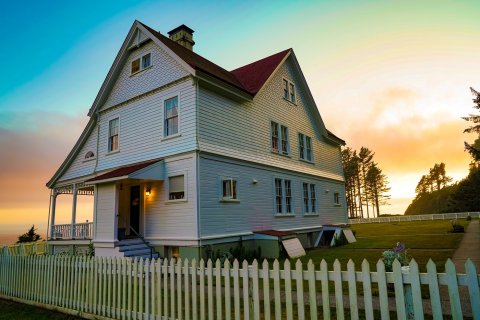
(52, 215)
(74, 211)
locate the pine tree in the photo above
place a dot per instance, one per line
(377, 183)
(474, 149)
(29, 236)
(365, 157)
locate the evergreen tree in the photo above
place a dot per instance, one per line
(365, 157)
(377, 184)
(474, 149)
(29, 236)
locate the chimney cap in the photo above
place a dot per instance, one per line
(182, 27)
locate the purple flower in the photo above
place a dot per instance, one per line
(399, 247)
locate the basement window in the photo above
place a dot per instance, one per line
(141, 63)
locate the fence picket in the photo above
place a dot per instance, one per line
(146, 294)
(312, 293)
(382, 290)
(228, 309)
(178, 269)
(299, 282)
(236, 290)
(209, 272)
(246, 299)
(158, 267)
(473, 288)
(337, 278)
(288, 289)
(452, 283)
(186, 278)
(172, 287)
(218, 289)
(194, 289)
(153, 283)
(276, 290)
(165, 288)
(352, 290)
(399, 295)
(367, 290)
(266, 289)
(202, 289)
(416, 290)
(325, 291)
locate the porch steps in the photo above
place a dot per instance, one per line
(135, 248)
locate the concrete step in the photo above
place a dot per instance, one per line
(133, 247)
(129, 242)
(136, 253)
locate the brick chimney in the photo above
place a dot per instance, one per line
(182, 35)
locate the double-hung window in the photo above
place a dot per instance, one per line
(305, 147)
(176, 186)
(289, 90)
(309, 198)
(141, 63)
(283, 196)
(229, 189)
(336, 198)
(171, 116)
(280, 142)
(113, 135)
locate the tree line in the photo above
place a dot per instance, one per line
(366, 185)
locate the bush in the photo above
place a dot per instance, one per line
(456, 228)
(399, 252)
(469, 218)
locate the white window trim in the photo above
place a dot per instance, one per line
(279, 136)
(179, 133)
(289, 93)
(220, 183)
(108, 134)
(284, 204)
(167, 187)
(140, 58)
(305, 148)
(337, 204)
(316, 212)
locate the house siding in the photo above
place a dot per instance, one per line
(106, 212)
(172, 221)
(255, 210)
(242, 130)
(164, 70)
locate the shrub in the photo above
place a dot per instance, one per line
(469, 218)
(399, 252)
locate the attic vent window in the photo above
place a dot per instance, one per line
(141, 63)
(289, 90)
(89, 155)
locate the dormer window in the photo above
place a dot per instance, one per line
(141, 63)
(289, 90)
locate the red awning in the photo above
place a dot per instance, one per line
(133, 171)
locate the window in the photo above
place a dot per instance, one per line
(336, 198)
(283, 196)
(280, 139)
(309, 198)
(305, 147)
(141, 63)
(176, 188)
(289, 90)
(171, 116)
(229, 189)
(89, 155)
(113, 135)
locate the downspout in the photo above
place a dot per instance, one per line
(197, 162)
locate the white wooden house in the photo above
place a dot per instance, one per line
(194, 158)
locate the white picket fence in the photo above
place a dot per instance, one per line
(420, 217)
(122, 288)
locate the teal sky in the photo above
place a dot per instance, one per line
(389, 75)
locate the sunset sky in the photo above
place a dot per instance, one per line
(393, 76)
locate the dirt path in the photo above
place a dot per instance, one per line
(469, 247)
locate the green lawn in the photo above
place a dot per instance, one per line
(424, 239)
(12, 310)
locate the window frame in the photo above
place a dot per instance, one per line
(178, 133)
(303, 149)
(283, 197)
(289, 91)
(109, 150)
(307, 207)
(336, 198)
(233, 181)
(140, 59)
(185, 185)
(279, 138)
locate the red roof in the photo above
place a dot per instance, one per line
(249, 78)
(275, 233)
(255, 74)
(123, 171)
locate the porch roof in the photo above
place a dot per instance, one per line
(147, 170)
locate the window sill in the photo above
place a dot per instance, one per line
(230, 200)
(90, 159)
(281, 154)
(173, 136)
(310, 214)
(290, 101)
(176, 201)
(112, 152)
(140, 71)
(284, 215)
(306, 161)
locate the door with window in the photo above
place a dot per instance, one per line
(135, 209)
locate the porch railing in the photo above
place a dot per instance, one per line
(80, 231)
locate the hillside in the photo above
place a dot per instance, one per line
(460, 197)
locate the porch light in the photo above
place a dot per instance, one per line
(147, 191)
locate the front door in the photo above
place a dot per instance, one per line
(135, 208)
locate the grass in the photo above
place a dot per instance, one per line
(13, 310)
(424, 239)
